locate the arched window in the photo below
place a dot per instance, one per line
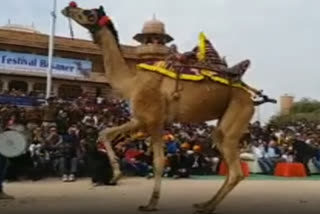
(69, 91)
(39, 89)
(18, 87)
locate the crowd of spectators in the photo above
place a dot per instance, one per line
(295, 142)
(63, 141)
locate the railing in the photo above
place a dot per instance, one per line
(19, 100)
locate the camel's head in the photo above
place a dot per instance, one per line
(92, 19)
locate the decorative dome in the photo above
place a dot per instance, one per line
(21, 28)
(154, 28)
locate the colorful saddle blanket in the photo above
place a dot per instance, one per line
(187, 73)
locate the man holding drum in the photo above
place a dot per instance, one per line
(3, 167)
(12, 144)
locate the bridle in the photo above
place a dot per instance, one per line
(101, 21)
(71, 29)
(72, 4)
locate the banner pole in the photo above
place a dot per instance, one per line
(50, 52)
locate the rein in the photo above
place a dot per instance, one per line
(71, 29)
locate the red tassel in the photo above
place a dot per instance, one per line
(73, 4)
(104, 21)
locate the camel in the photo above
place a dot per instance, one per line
(153, 107)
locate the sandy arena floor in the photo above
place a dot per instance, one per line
(53, 196)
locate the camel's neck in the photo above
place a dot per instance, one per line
(116, 69)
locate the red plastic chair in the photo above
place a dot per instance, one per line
(290, 170)
(223, 169)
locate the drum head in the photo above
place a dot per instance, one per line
(12, 144)
(18, 128)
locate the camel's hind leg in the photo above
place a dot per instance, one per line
(107, 135)
(229, 132)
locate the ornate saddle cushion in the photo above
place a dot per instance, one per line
(172, 69)
(190, 74)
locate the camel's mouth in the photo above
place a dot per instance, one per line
(66, 12)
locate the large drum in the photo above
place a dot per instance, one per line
(12, 144)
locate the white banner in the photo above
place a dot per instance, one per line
(36, 63)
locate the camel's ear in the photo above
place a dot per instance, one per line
(101, 11)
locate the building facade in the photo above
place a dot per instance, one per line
(77, 64)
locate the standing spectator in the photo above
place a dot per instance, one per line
(52, 142)
(98, 161)
(69, 150)
(304, 152)
(50, 113)
(62, 121)
(34, 118)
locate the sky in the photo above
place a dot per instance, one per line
(280, 37)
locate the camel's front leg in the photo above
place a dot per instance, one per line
(107, 135)
(158, 162)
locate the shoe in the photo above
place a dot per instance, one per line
(175, 176)
(72, 177)
(4, 196)
(150, 175)
(98, 184)
(64, 178)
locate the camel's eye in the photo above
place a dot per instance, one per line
(91, 18)
(87, 12)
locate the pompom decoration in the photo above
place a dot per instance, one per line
(73, 4)
(104, 21)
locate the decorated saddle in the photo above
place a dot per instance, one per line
(201, 63)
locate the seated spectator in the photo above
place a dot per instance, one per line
(133, 162)
(215, 159)
(316, 159)
(180, 164)
(264, 162)
(273, 152)
(199, 163)
(287, 153)
(172, 145)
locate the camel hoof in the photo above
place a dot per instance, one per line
(147, 209)
(199, 205)
(115, 179)
(203, 211)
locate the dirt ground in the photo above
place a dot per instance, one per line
(53, 196)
